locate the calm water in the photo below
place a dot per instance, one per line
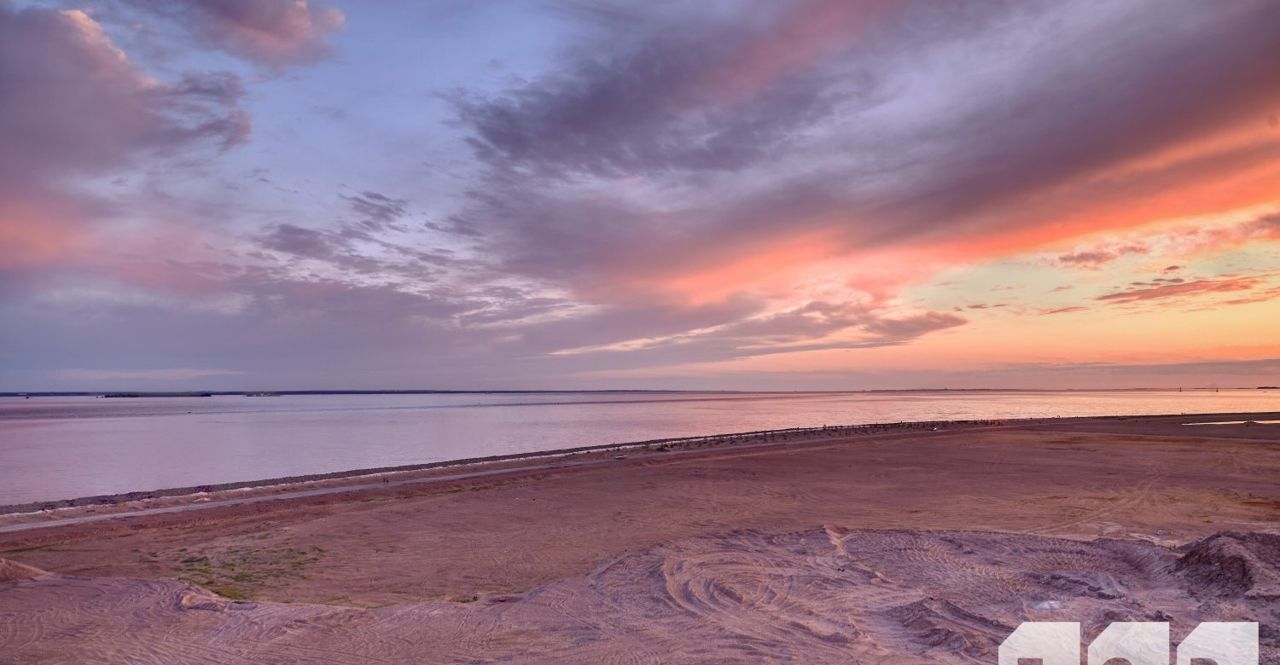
(64, 447)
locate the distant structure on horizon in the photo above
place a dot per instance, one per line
(149, 394)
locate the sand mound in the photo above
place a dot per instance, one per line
(1232, 565)
(12, 571)
(196, 598)
(1088, 583)
(818, 596)
(932, 623)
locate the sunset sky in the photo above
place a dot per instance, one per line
(222, 194)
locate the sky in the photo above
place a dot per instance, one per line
(579, 194)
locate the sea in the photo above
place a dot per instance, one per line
(66, 447)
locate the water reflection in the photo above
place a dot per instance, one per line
(64, 447)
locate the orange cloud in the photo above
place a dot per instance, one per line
(1204, 177)
(1227, 171)
(768, 263)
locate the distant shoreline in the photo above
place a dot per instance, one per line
(786, 435)
(145, 394)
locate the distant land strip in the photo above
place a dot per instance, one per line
(621, 391)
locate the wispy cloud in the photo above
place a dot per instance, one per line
(1179, 289)
(1095, 258)
(1182, 242)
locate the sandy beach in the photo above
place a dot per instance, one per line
(896, 546)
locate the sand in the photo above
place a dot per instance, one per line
(922, 548)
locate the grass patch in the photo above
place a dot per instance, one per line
(233, 593)
(241, 573)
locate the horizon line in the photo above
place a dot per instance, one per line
(125, 393)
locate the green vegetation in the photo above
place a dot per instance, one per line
(240, 573)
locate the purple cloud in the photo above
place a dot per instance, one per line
(724, 168)
(378, 208)
(75, 104)
(76, 107)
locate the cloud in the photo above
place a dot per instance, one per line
(76, 106)
(813, 326)
(1260, 296)
(378, 208)
(301, 241)
(679, 183)
(1087, 259)
(360, 247)
(270, 32)
(686, 142)
(1094, 259)
(655, 108)
(833, 325)
(1182, 241)
(1178, 289)
(898, 330)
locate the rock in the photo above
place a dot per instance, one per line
(12, 571)
(1232, 565)
(199, 599)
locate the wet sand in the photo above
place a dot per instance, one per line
(907, 547)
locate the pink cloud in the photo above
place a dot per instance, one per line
(74, 103)
(272, 32)
(74, 106)
(1094, 258)
(1181, 242)
(1176, 289)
